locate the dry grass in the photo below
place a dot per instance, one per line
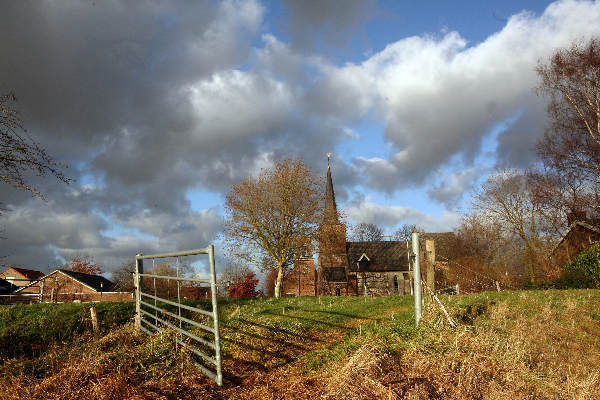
(526, 345)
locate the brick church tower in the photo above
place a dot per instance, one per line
(333, 262)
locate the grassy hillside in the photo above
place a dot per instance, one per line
(538, 344)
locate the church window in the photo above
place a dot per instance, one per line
(338, 291)
(395, 283)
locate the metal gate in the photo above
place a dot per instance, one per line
(149, 321)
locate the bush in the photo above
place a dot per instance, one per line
(245, 287)
(584, 271)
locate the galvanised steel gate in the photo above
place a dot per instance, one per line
(147, 310)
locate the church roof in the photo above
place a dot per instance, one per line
(331, 214)
(383, 256)
(96, 282)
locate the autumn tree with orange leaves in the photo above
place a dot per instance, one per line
(272, 215)
(85, 264)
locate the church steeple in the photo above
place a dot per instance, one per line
(331, 214)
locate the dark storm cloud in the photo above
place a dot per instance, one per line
(312, 23)
(145, 101)
(148, 100)
(451, 188)
(104, 86)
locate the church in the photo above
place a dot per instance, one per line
(345, 268)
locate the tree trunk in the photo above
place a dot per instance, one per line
(279, 281)
(531, 256)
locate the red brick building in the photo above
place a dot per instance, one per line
(63, 285)
(20, 276)
(577, 238)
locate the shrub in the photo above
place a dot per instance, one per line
(584, 271)
(245, 287)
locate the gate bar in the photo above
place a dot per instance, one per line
(186, 333)
(177, 278)
(198, 310)
(189, 321)
(175, 254)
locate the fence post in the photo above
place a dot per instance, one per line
(417, 275)
(94, 315)
(213, 289)
(430, 257)
(139, 269)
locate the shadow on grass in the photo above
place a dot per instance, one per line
(353, 316)
(278, 330)
(316, 321)
(266, 338)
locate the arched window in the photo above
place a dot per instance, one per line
(395, 283)
(338, 291)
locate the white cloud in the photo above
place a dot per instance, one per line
(439, 97)
(390, 216)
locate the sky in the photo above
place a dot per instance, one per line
(158, 107)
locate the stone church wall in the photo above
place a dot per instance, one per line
(382, 283)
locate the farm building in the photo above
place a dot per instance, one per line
(20, 276)
(345, 268)
(64, 285)
(579, 236)
(6, 287)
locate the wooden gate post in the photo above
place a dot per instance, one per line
(430, 257)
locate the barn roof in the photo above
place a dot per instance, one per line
(572, 227)
(96, 282)
(382, 256)
(30, 274)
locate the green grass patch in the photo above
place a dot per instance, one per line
(30, 329)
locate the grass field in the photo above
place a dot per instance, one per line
(534, 344)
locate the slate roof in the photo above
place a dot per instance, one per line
(572, 227)
(92, 281)
(384, 256)
(331, 213)
(335, 274)
(7, 287)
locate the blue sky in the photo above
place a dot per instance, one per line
(388, 22)
(159, 109)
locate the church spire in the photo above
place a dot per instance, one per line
(331, 214)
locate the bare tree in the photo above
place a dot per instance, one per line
(507, 200)
(234, 271)
(367, 232)
(123, 277)
(20, 154)
(273, 215)
(404, 233)
(570, 149)
(571, 78)
(165, 288)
